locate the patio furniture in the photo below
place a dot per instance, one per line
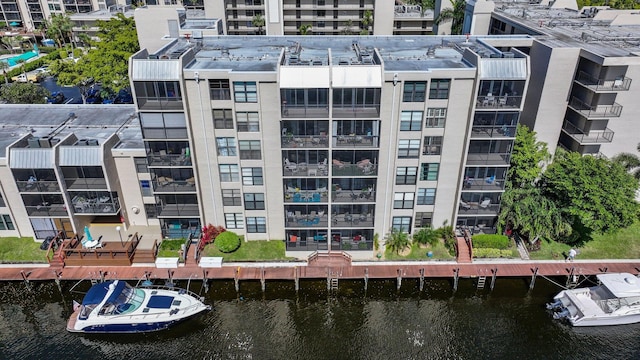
(293, 167)
(464, 205)
(485, 203)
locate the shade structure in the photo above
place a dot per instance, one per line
(87, 233)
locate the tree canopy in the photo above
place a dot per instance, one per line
(527, 159)
(107, 61)
(59, 28)
(24, 93)
(454, 14)
(594, 194)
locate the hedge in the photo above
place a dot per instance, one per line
(490, 241)
(492, 253)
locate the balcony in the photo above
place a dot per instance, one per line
(362, 168)
(304, 141)
(372, 111)
(620, 83)
(86, 183)
(598, 111)
(488, 184)
(498, 102)
(592, 137)
(167, 184)
(37, 186)
(103, 205)
(482, 208)
(294, 195)
(305, 111)
(353, 196)
(172, 210)
(163, 159)
(46, 209)
(489, 159)
(308, 220)
(355, 140)
(496, 131)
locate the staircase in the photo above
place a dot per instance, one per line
(464, 253)
(481, 281)
(143, 256)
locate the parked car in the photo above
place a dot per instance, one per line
(57, 97)
(29, 77)
(42, 71)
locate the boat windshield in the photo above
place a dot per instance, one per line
(127, 301)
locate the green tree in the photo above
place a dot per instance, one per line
(346, 30)
(24, 93)
(398, 241)
(107, 61)
(529, 213)
(59, 28)
(455, 15)
(424, 5)
(630, 162)
(528, 158)
(258, 21)
(305, 29)
(594, 194)
(4, 66)
(367, 21)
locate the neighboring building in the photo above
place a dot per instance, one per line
(87, 22)
(315, 138)
(585, 65)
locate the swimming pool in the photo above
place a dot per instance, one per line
(13, 61)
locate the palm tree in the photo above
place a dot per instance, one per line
(59, 28)
(4, 66)
(398, 241)
(455, 15)
(305, 29)
(630, 162)
(258, 21)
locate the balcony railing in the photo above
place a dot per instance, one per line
(341, 168)
(86, 183)
(304, 169)
(171, 103)
(305, 196)
(355, 140)
(593, 137)
(497, 131)
(489, 159)
(38, 186)
(309, 141)
(478, 209)
(498, 102)
(95, 206)
(308, 111)
(357, 112)
(295, 220)
(158, 159)
(178, 210)
(166, 184)
(598, 111)
(620, 83)
(46, 209)
(352, 196)
(483, 184)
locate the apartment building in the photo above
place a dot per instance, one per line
(326, 141)
(582, 95)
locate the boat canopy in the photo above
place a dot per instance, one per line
(97, 292)
(621, 285)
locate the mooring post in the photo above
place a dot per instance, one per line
(533, 278)
(101, 276)
(399, 278)
(170, 282)
(236, 279)
(262, 281)
(456, 271)
(205, 280)
(366, 278)
(25, 276)
(296, 278)
(328, 279)
(421, 286)
(493, 277)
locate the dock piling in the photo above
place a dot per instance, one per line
(170, 276)
(421, 286)
(263, 283)
(205, 281)
(399, 279)
(456, 273)
(533, 278)
(296, 278)
(236, 279)
(366, 278)
(493, 277)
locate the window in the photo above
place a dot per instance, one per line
(231, 197)
(432, 145)
(426, 196)
(256, 225)
(151, 210)
(219, 89)
(245, 91)
(403, 200)
(406, 175)
(414, 91)
(248, 121)
(401, 223)
(250, 149)
(145, 187)
(233, 221)
(436, 117)
(6, 223)
(254, 201)
(222, 119)
(226, 146)
(252, 176)
(439, 89)
(158, 95)
(408, 149)
(411, 121)
(141, 164)
(424, 219)
(429, 171)
(229, 172)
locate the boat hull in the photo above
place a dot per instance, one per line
(129, 328)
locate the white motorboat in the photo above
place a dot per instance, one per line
(117, 307)
(615, 301)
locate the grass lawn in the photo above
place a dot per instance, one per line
(251, 251)
(14, 249)
(625, 244)
(417, 253)
(170, 248)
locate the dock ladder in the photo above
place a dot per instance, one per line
(481, 281)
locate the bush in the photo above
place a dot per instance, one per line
(426, 236)
(227, 242)
(492, 253)
(492, 241)
(362, 246)
(446, 233)
(209, 233)
(346, 246)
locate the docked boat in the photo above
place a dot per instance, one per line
(615, 301)
(116, 307)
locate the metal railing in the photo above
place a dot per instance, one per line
(593, 137)
(621, 83)
(611, 110)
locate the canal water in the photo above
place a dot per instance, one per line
(382, 322)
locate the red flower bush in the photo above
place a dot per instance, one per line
(209, 234)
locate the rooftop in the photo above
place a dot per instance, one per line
(600, 30)
(96, 122)
(265, 53)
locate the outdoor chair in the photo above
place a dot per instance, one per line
(485, 203)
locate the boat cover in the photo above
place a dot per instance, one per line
(621, 285)
(98, 291)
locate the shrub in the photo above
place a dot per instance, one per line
(493, 241)
(209, 233)
(346, 246)
(426, 236)
(446, 233)
(227, 242)
(492, 253)
(362, 246)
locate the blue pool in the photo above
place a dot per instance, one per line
(13, 61)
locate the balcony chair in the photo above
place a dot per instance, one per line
(485, 203)
(293, 167)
